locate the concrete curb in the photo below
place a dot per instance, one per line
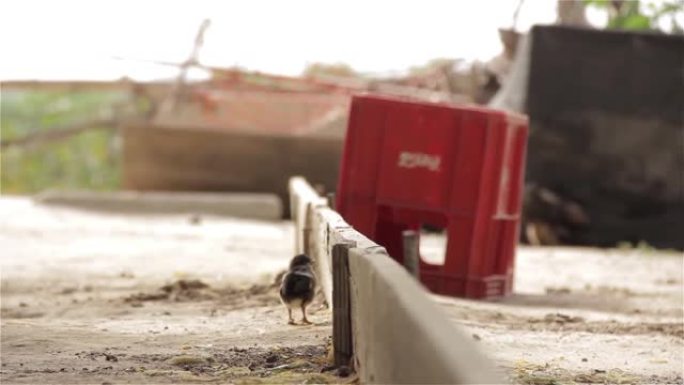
(398, 334)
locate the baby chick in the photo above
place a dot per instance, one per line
(298, 286)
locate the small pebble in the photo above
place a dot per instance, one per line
(195, 219)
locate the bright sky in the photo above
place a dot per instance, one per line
(77, 39)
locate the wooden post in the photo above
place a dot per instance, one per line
(411, 252)
(342, 333)
(306, 230)
(331, 201)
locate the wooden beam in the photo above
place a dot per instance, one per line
(411, 252)
(342, 328)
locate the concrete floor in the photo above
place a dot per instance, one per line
(78, 286)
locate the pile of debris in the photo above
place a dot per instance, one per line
(550, 218)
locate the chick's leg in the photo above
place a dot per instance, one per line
(304, 320)
(289, 316)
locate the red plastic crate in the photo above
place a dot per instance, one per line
(408, 164)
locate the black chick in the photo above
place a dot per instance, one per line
(298, 286)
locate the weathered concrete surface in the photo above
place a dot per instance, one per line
(401, 337)
(304, 202)
(240, 205)
(303, 199)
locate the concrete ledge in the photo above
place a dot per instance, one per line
(310, 230)
(302, 200)
(251, 206)
(400, 336)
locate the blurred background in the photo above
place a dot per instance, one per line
(240, 95)
(177, 125)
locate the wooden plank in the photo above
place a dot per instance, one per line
(170, 159)
(411, 252)
(307, 229)
(342, 333)
(331, 200)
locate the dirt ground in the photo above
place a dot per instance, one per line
(582, 315)
(104, 298)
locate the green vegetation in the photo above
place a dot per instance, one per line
(431, 66)
(327, 69)
(89, 160)
(638, 15)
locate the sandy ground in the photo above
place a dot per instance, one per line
(82, 302)
(582, 315)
